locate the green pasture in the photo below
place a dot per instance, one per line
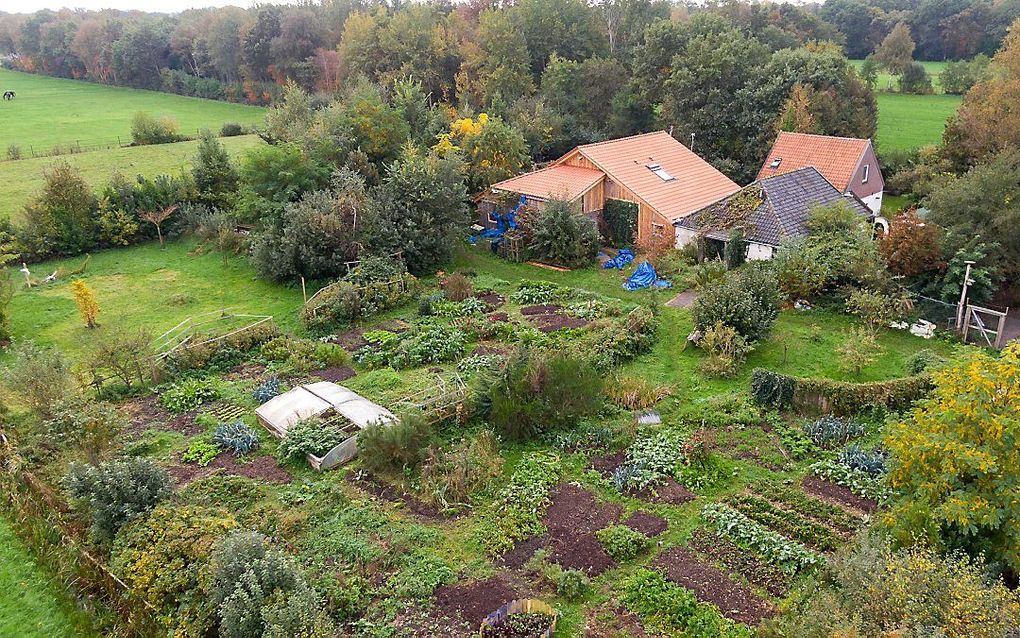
(32, 604)
(23, 179)
(54, 112)
(909, 121)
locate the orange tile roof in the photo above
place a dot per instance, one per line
(836, 158)
(696, 183)
(553, 182)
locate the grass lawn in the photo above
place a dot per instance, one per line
(31, 603)
(52, 112)
(909, 121)
(148, 287)
(23, 179)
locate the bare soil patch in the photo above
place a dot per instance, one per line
(757, 572)
(335, 374)
(351, 341)
(837, 493)
(245, 371)
(492, 300)
(647, 523)
(613, 621)
(606, 464)
(388, 492)
(736, 601)
(144, 413)
(472, 602)
(669, 493)
(541, 309)
(498, 317)
(554, 322)
(425, 621)
(523, 550)
(572, 520)
(262, 468)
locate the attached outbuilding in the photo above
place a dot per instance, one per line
(766, 212)
(332, 404)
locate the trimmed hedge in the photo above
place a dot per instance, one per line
(826, 396)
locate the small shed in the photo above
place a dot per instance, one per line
(333, 404)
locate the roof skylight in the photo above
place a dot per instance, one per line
(776, 162)
(661, 172)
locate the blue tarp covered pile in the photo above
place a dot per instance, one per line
(504, 222)
(644, 277)
(624, 257)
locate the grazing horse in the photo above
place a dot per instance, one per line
(9, 95)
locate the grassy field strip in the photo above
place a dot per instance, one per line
(22, 179)
(31, 603)
(909, 121)
(151, 288)
(885, 81)
(57, 112)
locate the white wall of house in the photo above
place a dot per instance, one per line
(684, 236)
(874, 202)
(759, 252)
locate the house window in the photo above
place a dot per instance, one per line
(658, 230)
(867, 170)
(661, 172)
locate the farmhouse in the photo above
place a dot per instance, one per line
(766, 212)
(848, 163)
(662, 177)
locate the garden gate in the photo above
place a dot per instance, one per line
(988, 323)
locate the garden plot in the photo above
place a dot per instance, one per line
(735, 600)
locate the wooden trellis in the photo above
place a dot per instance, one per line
(183, 334)
(445, 399)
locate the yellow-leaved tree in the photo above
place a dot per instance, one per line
(85, 299)
(956, 460)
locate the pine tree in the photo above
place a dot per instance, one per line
(215, 177)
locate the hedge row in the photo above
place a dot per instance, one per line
(826, 396)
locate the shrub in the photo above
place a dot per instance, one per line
(572, 584)
(349, 300)
(89, 426)
(726, 350)
(915, 79)
(448, 478)
(748, 303)
(188, 394)
(953, 460)
(912, 246)
(116, 492)
(539, 392)
(562, 236)
(457, 287)
(146, 129)
(620, 218)
(299, 615)
(771, 389)
(395, 447)
(874, 590)
(858, 352)
(309, 436)
(876, 309)
(40, 376)
(830, 431)
(924, 361)
(164, 559)
(231, 129)
(622, 542)
(236, 437)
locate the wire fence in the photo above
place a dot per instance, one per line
(15, 151)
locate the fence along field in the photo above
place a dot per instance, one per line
(53, 112)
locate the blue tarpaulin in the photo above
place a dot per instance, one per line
(504, 222)
(645, 276)
(624, 257)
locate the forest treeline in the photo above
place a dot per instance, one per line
(462, 51)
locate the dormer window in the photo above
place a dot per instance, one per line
(864, 177)
(661, 172)
(774, 164)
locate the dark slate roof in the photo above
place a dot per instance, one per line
(786, 201)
